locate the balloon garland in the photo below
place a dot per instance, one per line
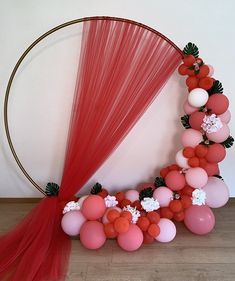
(185, 191)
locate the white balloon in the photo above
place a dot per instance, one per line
(198, 97)
(181, 160)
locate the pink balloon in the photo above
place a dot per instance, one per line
(225, 117)
(92, 235)
(81, 200)
(104, 219)
(167, 230)
(191, 137)
(196, 177)
(217, 193)
(181, 160)
(93, 207)
(163, 195)
(188, 109)
(132, 195)
(221, 135)
(199, 219)
(72, 222)
(132, 239)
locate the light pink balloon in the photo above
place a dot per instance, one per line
(191, 137)
(181, 160)
(81, 200)
(72, 222)
(163, 195)
(217, 193)
(92, 235)
(199, 219)
(132, 239)
(211, 70)
(225, 117)
(167, 231)
(104, 219)
(196, 177)
(221, 135)
(189, 109)
(132, 195)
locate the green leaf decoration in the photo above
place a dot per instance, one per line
(217, 88)
(185, 121)
(159, 181)
(52, 189)
(96, 188)
(228, 142)
(219, 177)
(191, 49)
(147, 192)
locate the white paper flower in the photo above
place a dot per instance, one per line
(211, 124)
(135, 213)
(198, 197)
(70, 206)
(149, 204)
(110, 201)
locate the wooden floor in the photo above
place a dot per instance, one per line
(187, 258)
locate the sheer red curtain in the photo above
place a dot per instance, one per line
(122, 68)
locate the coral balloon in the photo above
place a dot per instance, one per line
(92, 235)
(110, 231)
(93, 207)
(132, 239)
(221, 135)
(216, 153)
(198, 97)
(199, 219)
(105, 219)
(181, 160)
(196, 177)
(191, 137)
(217, 192)
(163, 195)
(72, 222)
(196, 120)
(132, 195)
(188, 109)
(217, 103)
(225, 117)
(175, 180)
(167, 231)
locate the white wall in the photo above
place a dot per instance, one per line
(42, 92)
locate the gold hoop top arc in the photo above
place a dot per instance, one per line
(39, 39)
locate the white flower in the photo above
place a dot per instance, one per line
(198, 197)
(135, 213)
(70, 206)
(149, 204)
(110, 201)
(211, 124)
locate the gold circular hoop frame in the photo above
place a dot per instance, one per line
(39, 39)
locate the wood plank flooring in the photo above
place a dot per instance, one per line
(188, 258)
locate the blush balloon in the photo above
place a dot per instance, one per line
(132, 195)
(167, 231)
(225, 117)
(175, 180)
(196, 177)
(196, 120)
(217, 103)
(211, 70)
(199, 219)
(81, 200)
(221, 135)
(93, 207)
(72, 222)
(188, 109)
(216, 153)
(92, 235)
(217, 192)
(132, 239)
(191, 137)
(163, 195)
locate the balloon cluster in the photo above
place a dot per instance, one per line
(185, 191)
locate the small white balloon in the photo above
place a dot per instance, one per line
(198, 97)
(181, 160)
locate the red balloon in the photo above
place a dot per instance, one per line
(93, 207)
(199, 219)
(196, 120)
(211, 169)
(216, 153)
(217, 103)
(92, 235)
(175, 180)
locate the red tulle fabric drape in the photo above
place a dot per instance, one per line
(121, 70)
